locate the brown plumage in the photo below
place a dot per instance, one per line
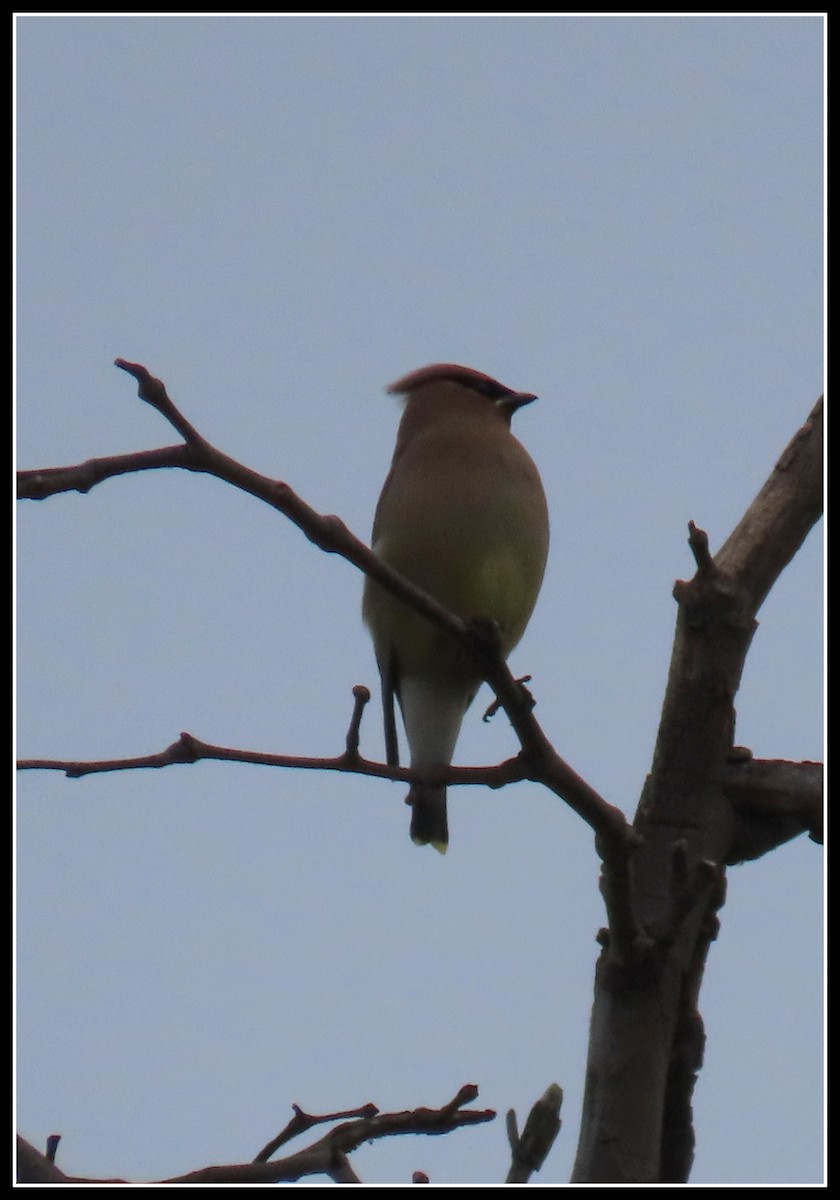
(463, 515)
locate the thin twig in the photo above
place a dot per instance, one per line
(302, 1121)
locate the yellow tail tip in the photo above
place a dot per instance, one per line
(441, 847)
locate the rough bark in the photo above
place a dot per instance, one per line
(646, 1038)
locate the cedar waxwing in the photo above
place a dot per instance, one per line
(463, 516)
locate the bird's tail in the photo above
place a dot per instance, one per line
(428, 816)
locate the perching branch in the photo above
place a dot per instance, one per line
(189, 749)
(705, 804)
(538, 761)
(725, 590)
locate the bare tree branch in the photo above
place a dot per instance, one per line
(302, 1121)
(538, 761)
(529, 1152)
(35, 1167)
(773, 801)
(646, 1035)
(189, 749)
(705, 804)
(779, 519)
(327, 1156)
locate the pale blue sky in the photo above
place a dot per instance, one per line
(278, 216)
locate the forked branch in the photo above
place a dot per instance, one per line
(326, 1156)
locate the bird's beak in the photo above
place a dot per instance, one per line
(516, 400)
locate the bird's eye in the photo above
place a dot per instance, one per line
(492, 390)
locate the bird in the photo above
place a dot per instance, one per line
(462, 515)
